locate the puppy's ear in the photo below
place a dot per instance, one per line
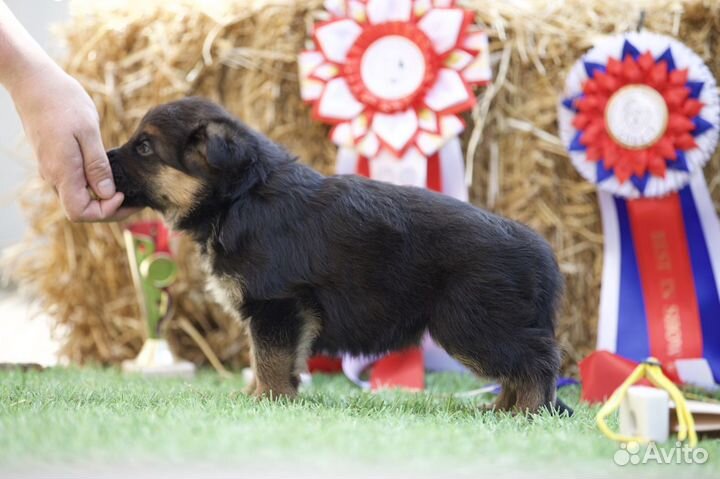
(217, 146)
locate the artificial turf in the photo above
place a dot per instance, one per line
(99, 416)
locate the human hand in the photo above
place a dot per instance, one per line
(62, 125)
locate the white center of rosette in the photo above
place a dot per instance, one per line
(393, 67)
(636, 116)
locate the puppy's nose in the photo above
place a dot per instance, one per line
(112, 154)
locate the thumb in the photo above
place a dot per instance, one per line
(95, 163)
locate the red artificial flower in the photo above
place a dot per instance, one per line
(598, 92)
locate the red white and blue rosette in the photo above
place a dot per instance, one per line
(640, 118)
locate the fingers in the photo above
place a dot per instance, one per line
(79, 206)
(110, 207)
(95, 162)
(74, 197)
(121, 214)
(73, 167)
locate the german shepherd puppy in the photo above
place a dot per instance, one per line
(343, 263)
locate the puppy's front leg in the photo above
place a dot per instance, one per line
(275, 332)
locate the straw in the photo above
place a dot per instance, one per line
(242, 53)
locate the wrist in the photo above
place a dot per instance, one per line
(21, 58)
(26, 67)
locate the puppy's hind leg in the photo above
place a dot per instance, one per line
(507, 398)
(528, 389)
(534, 379)
(533, 394)
(524, 360)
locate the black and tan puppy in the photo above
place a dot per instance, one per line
(343, 263)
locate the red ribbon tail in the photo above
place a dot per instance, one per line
(434, 173)
(403, 370)
(668, 285)
(363, 166)
(602, 372)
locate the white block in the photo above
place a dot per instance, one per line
(645, 412)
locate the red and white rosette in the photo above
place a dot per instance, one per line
(640, 118)
(391, 76)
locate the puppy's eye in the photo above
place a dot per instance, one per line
(143, 148)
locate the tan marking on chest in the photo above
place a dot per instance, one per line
(227, 291)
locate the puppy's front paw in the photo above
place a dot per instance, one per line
(267, 392)
(250, 388)
(248, 376)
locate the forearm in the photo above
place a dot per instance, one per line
(20, 55)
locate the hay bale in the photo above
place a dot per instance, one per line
(531, 178)
(242, 54)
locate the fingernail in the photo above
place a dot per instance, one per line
(106, 188)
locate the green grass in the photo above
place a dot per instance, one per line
(63, 416)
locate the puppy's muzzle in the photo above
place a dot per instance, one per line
(122, 181)
(119, 175)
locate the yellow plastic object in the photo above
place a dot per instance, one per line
(650, 369)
